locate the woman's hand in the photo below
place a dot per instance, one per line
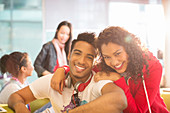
(107, 76)
(57, 81)
(46, 73)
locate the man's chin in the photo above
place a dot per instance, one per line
(77, 77)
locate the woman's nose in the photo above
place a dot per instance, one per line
(114, 61)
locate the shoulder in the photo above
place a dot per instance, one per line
(45, 78)
(153, 61)
(11, 84)
(98, 86)
(11, 87)
(100, 83)
(48, 45)
(154, 66)
(41, 87)
(42, 81)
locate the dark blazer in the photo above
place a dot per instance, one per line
(46, 59)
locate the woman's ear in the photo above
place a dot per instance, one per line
(23, 69)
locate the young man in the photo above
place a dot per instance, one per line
(108, 98)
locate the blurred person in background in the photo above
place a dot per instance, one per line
(54, 53)
(20, 67)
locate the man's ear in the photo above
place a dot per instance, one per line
(68, 57)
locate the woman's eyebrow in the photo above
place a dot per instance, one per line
(113, 52)
(117, 51)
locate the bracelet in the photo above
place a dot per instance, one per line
(67, 110)
(66, 68)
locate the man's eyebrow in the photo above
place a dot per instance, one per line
(90, 55)
(77, 50)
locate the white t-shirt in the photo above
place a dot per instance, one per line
(41, 89)
(9, 88)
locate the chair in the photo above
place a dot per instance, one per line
(165, 94)
(34, 105)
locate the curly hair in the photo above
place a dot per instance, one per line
(132, 46)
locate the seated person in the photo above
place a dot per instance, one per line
(19, 65)
(81, 92)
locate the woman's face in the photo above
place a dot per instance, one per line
(29, 68)
(115, 56)
(63, 34)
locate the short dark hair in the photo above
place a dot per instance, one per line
(87, 37)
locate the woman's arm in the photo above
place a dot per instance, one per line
(38, 64)
(107, 76)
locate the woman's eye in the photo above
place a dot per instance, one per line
(118, 53)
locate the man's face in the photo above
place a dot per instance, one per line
(81, 61)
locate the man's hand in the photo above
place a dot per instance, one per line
(57, 81)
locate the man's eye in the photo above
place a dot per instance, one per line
(105, 57)
(77, 53)
(90, 58)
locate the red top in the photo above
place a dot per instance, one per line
(135, 94)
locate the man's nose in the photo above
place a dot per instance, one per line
(81, 60)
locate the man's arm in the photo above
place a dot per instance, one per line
(113, 100)
(19, 99)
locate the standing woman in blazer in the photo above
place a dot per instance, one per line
(54, 53)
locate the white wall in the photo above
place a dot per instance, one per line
(85, 15)
(166, 4)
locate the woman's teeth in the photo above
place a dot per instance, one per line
(118, 66)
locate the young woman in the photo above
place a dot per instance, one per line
(138, 72)
(54, 53)
(20, 67)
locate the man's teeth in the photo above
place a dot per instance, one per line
(118, 66)
(80, 67)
